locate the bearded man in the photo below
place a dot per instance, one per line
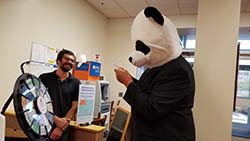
(63, 89)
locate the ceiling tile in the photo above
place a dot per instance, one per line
(169, 11)
(132, 3)
(189, 9)
(114, 13)
(130, 8)
(104, 3)
(161, 2)
(191, 2)
(133, 11)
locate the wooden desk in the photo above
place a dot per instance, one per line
(77, 133)
(12, 126)
(88, 133)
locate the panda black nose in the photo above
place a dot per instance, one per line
(130, 59)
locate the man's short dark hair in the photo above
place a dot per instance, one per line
(62, 52)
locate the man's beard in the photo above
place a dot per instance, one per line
(66, 69)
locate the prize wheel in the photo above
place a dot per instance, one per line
(33, 107)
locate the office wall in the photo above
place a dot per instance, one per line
(215, 58)
(119, 45)
(70, 24)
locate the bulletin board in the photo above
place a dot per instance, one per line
(42, 59)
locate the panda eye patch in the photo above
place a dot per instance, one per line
(140, 46)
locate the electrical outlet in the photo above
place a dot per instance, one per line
(120, 94)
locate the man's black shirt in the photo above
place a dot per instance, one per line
(62, 93)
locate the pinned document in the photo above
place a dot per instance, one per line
(86, 103)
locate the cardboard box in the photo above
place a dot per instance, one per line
(88, 71)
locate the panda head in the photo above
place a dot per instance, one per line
(155, 39)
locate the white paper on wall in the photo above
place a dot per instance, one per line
(42, 59)
(38, 68)
(43, 54)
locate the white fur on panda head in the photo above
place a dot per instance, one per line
(155, 39)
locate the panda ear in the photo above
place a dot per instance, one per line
(155, 14)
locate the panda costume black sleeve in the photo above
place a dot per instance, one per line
(162, 99)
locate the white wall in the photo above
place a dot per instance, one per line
(119, 45)
(215, 68)
(70, 24)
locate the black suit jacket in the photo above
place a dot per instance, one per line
(161, 102)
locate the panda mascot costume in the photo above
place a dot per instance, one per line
(162, 99)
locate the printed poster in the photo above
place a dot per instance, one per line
(86, 104)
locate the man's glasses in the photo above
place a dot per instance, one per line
(69, 59)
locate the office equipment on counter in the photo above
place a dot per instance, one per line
(87, 71)
(99, 120)
(119, 125)
(86, 104)
(102, 100)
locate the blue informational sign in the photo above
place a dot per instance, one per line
(83, 67)
(95, 68)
